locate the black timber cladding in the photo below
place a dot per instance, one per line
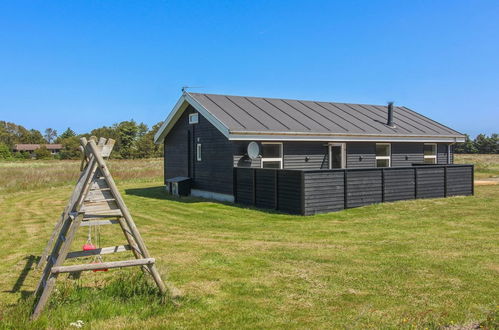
(214, 171)
(318, 191)
(305, 155)
(176, 149)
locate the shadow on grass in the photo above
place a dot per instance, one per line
(159, 192)
(28, 267)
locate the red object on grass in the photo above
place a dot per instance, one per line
(88, 247)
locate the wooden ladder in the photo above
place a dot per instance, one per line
(94, 201)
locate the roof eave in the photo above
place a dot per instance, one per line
(340, 137)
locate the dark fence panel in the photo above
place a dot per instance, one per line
(265, 186)
(324, 191)
(430, 182)
(399, 184)
(244, 188)
(320, 191)
(364, 187)
(459, 181)
(290, 191)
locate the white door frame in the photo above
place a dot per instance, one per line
(343, 154)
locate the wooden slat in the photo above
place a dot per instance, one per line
(103, 214)
(106, 250)
(103, 265)
(98, 222)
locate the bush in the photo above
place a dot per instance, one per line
(43, 153)
(5, 151)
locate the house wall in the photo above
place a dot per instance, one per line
(219, 155)
(176, 148)
(361, 155)
(305, 155)
(214, 172)
(358, 154)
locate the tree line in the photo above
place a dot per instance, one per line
(482, 144)
(133, 140)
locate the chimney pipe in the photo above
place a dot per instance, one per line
(390, 115)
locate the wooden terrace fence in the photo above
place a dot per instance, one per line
(309, 192)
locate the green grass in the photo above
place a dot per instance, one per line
(486, 166)
(423, 264)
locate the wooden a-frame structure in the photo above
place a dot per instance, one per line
(94, 201)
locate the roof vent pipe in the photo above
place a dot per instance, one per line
(390, 115)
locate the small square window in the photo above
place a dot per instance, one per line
(193, 118)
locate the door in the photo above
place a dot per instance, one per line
(337, 155)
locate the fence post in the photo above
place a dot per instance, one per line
(254, 186)
(382, 185)
(472, 180)
(234, 183)
(415, 182)
(276, 188)
(445, 181)
(345, 189)
(302, 184)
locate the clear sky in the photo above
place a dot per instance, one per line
(85, 64)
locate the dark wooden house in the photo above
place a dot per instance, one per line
(206, 139)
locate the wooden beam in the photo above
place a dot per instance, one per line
(106, 250)
(98, 223)
(103, 265)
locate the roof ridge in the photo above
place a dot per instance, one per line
(291, 99)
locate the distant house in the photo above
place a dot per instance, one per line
(206, 136)
(31, 148)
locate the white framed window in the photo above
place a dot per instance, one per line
(198, 152)
(383, 155)
(271, 155)
(430, 153)
(193, 118)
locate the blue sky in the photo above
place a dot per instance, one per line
(85, 64)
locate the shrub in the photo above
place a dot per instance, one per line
(5, 151)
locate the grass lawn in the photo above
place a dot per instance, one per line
(425, 264)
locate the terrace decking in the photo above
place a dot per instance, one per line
(310, 192)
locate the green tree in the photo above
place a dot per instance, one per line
(32, 136)
(71, 148)
(66, 134)
(5, 152)
(466, 147)
(43, 153)
(128, 132)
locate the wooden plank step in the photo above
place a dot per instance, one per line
(106, 250)
(99, 200)
(100, 189)
(105, 213)
(98, 222)
(103, 265)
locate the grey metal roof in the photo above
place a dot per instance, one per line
(241, 114)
